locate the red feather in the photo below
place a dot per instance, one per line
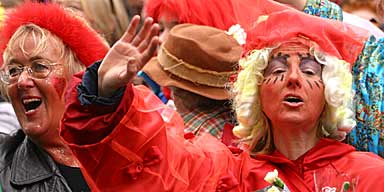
(74, 32)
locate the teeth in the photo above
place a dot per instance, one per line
(26, 101)
(291, 97)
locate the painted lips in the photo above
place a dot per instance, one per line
(293, 101)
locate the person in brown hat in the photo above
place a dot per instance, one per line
(196, 62)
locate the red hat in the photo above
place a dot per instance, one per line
(214, 13)
(73, 31)
(279, 23)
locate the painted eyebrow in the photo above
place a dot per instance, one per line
(306, 56)
(280, 55)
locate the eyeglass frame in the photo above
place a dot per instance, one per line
(28, 68)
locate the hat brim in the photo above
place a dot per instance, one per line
(154, 70)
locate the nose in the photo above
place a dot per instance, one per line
(294, 78)
(24, 80)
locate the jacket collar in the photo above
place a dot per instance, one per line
(31, 164)
(319, 156)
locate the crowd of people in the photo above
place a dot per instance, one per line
(268, 95)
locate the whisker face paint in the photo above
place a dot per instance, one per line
(274, 81)
(268, 80)
(309, 83)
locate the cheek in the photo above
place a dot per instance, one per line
(12, 90)
(316, 93)
(269, 93)
(60, 84)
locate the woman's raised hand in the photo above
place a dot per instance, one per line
(127, 56)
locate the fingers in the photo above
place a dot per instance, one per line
(154, 32)
(144, 31)
(150, 51)
(131, 30)
(132, 68)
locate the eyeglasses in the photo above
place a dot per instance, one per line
(39, 69)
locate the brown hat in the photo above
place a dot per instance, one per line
(196, 58)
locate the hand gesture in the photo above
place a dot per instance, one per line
(127, 56)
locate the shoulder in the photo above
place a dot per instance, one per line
(8, 146)
(367, 167)
(363, 162)
(360, 155)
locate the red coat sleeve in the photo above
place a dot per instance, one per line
(145, 150)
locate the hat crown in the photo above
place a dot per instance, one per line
(198, 59)
(204, 47)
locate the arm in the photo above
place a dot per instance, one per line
(134, 142)
(324, 9)
(320, 8)
(368, 84)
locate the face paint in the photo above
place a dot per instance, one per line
(36, 101)
(293, 99)
(60, 83)
(309, 83)
(268, 80)
(275, 80)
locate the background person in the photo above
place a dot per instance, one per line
(197, 65)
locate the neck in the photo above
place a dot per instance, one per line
(62, 155)
(293, 141)
(57, 150)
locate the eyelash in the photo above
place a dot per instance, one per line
(278, 71)
(309, 72)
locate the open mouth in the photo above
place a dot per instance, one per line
(293, 99)
(31, 104)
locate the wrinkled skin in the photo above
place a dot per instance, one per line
(42, 121)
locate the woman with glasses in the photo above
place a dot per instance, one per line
(42, 47)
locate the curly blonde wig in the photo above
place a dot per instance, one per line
(254, 127)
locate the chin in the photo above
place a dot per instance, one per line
(33, 130)
(297, 119)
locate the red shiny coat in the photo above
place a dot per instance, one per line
(140, 147)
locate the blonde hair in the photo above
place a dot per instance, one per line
(254, 126)
(41, 37)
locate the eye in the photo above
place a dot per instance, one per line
(161, 30)
(14, 70)
(39, 67)
(309, 72)
(278, 71)
(276, 66)
(310, 67)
